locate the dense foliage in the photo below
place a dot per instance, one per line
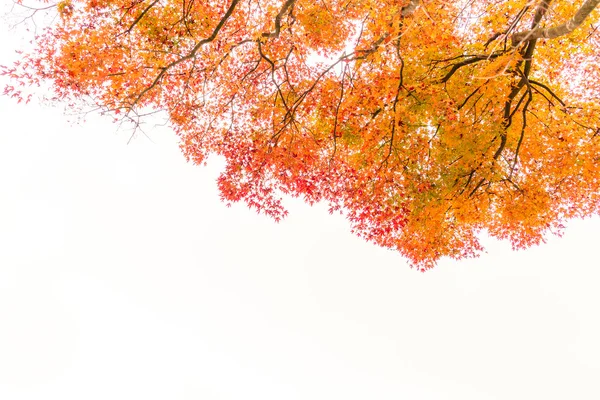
(425, 122)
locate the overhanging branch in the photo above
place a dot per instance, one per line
(410, 8)
(284, 9)
(560, 30)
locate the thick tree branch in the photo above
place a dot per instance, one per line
(410, 8)
(563, 29)
(286, 6)
(527, 52)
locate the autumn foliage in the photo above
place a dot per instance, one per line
(424, 122)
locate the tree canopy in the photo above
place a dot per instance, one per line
(425, 122)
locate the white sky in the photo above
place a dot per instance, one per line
(123, 277)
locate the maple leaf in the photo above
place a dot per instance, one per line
(425, 122)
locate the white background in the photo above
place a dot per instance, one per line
(123, 277)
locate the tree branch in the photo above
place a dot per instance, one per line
(191, 54)
(282, 12)
(563, 29)
(410, 8)
(141, 16)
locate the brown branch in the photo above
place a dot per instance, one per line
(559, 30)
(284, 9)
(139, 17)
(473, 60)
(562, 103)
(410, 8)
(192, 53)
(527, 54)
(273, 69)
(522, 135)
(468, 97)
(335, 122)
(372, 49)
(508, 115)
(481, 182)
(528, 51)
